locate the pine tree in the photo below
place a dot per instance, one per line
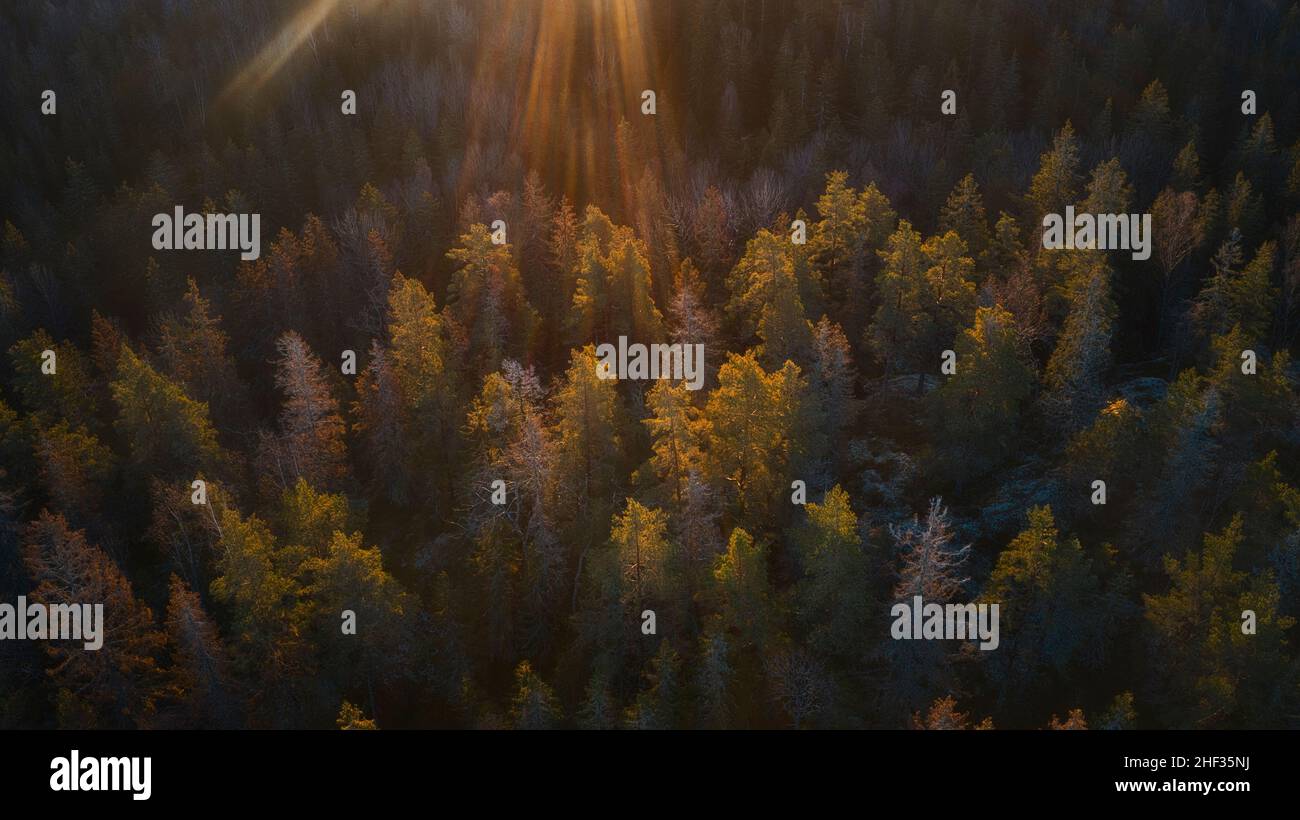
(534, 705)
(63, 394)
(1049, 593)
(713, 683)
(833, 597)
(742, 588)
(831, 410)
(308, 518)
(351, 577)
(1057, 182)
(898, 322)
(963, 213)
(258, 581)
(838, 245)
(1078, 364)
(674, 426)
(977, 410)
(1108, 189)
(763, 277)
(193, 352)
(1206, 672)
(657, 706)
(1238, 297)
(949, 295)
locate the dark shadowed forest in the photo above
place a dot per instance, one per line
(396, 411)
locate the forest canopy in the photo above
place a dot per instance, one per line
(374, 474)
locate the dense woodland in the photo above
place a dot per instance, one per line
(331, 491)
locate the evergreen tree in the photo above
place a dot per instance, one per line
(1057, 182)
(977, 410)
(833, 597)
(1205, 670)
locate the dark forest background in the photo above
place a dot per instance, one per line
(328, 491)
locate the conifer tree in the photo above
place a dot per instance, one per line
(1206, 671)
(119, 683)
(310, 442)
(751, 419)
(534, 705)
(1074, 375)
(964, 214)
(199, 671)
(977, 409)
(1057, 182)
(833, 597)
(742, 588)
(167, 433)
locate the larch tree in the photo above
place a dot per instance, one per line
(309, 443)
(1178, 231)
(645, 553)
(511, 443)
(691, 320)
(930, 566)
(75, 469)
(751, 424)
(833, 598)
(118, 684)
(200, 672)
